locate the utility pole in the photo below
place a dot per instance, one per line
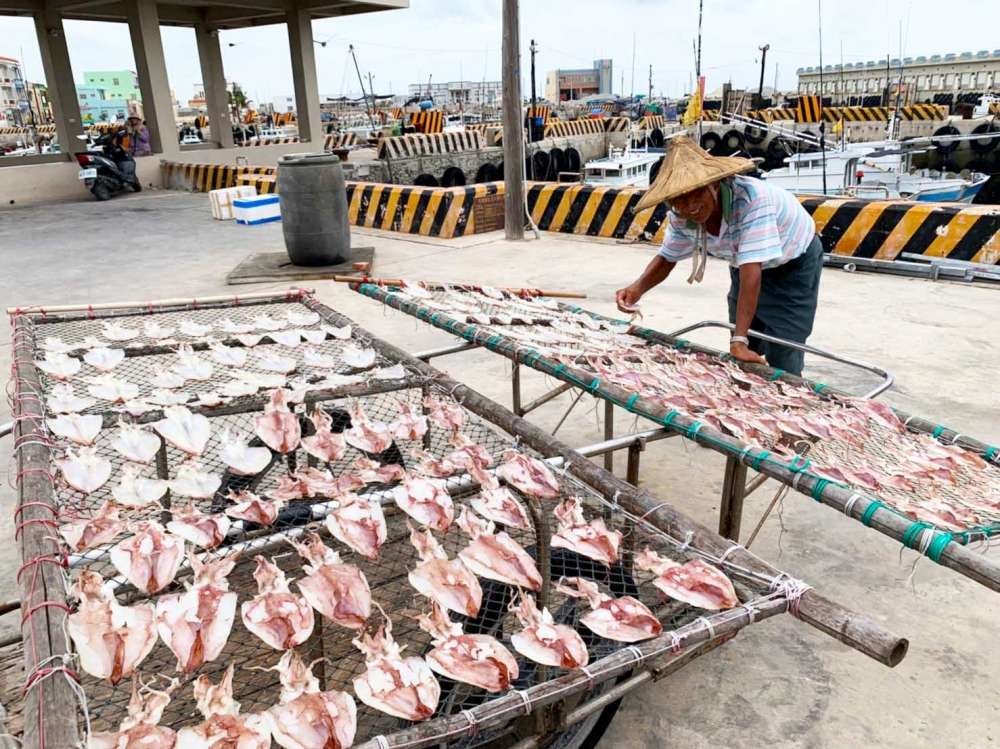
(371, 87)
(649, 99)
(633, 66)
(760, 88)
(513, 132)
(531, 120)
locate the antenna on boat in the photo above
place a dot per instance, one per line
(822, 122)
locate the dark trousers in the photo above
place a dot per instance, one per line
(786, 307)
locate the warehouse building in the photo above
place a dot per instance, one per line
(578, 83)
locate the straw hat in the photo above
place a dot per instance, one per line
(687, 167)
(135, 111)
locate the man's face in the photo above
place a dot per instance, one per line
(696, 205)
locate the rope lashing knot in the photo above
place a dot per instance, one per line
(798, 464)
(692, 431)
(473, 722)
(382, 741)
(730, 550)
(525, 698)
(594, 385)
(913, 533)
(590, 676)
(758, 459)
(791, 590)
(851, 501)
(818, 488)
(777, 374)
(675, 643)
(707, 625)
(873, 507)
(751, 612)
(688, 538)
(668, 420)
(937, 545)
(44, 673)
(44, 605)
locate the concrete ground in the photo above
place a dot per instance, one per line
(780, 683)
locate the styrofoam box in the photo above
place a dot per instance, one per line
(257, 210)
(222, 200)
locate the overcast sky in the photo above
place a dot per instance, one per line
(450, 39)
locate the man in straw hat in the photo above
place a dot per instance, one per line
(769, 240)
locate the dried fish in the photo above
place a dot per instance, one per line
(271, 362)
(62, 400)
(188, 432)
(110, 388)
(338, 591)
(137, 407)
(135, 491)
(193, 482)
(426, 501)
(116, 331)
(528, 475)
(191, 366)
(402, 687)
(479, 660)
(59, 366)
(242, 459)
(163, 397)
(313, 358)
(624, 619)
(302, 318)
(368, 436)
(544, 641)
(286, 338)
(340, 333)
(395, 372)
(228, 356)
(308, 718)
(226, 325)
(84, 469)
(591, 539)
(56, 345)
(410, 424)
(139, 729)
(278, 427)
(80, 430)
(164, 379)
(446, 414)
(496, 556)
(224, 727)
(104, 359)
(250, 339)
(447, 582)
(195, 624)
(154, 330)
(239, 388)
(262, 379)
(311, 336)
(359, 524)
(150, 558)
(431, 467)
(358, 358)
(87, 533)
(324, 444)
(695, 582)
(277, 616)
(111, 640)
(251, 508)
(194, 329)
(266, 322)
(497, 503)
(368, 471)
(205, 531)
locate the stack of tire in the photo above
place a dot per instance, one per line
(752, 142)
(541, 166)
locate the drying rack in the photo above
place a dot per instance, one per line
(950, 549)
(54, 688)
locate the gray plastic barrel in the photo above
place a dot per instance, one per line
(314, 209)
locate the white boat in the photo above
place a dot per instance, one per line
(622, 167)
(874, 169)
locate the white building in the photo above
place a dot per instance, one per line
(940, 79)
(13, 94)
(454, 93)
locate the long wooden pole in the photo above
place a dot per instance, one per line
(513, 133)
(292, 294)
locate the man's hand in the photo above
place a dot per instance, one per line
(741, 352)
(628, 298)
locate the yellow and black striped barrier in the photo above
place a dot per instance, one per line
(617, 124)
(539, 110)
(340, 140)
(711, 115)
(809, 109)
(652, 121)
(418, 144)
(592, 210)
(565, 128)
(428, 122)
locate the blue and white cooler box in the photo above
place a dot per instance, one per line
(259, 209)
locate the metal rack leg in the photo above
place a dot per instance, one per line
(609, 434)
(632, 467)
(733, 491)
(515, 386)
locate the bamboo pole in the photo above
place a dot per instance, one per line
(953, 555)
(293, 294)
(461, 285)
(854, 630)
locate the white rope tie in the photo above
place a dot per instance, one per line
(791, 589)
(525, 698)
(675, 643)
(382, 741)
(906, 421)
(590, 676)
(954, 440)
(751, 612)
(688, 538)
(730, 550)
(708, 626)
(851, 501)
(473, 722)
(699, 257)
(636, 653)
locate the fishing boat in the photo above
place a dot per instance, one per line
(622, 167)
(874, 169)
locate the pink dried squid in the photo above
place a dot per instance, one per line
(87, 533)
(324, 444)
(224, 727)
(338, 591)
(359, 524)
(496, 502)
(479, 660)
(624, 619)
(111, 640)
(307, 718)
(195, 624)
(468, 453)
(496, 556)
(150, 558)
(369, 471)
(242, 459)
(592, 539)
(278, 427)
(447, 414)
(251, 508)
(695, 582)
(139, 729)
(544, 641)
(431, 467)
(368, 436)
(410, 424)
(277, 616)
(426, 501)
(402, 687)
(528, 475)
(447, 582)
(201, 529)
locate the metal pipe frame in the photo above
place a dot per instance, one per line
(454, 348)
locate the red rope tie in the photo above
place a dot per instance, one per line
(90, 312)
(149, 307)
(26, 471)
(48, 671)
(61, 563)
(44, 605)
(194, 304)
(39, 521)
(20, 508)
(236, 301)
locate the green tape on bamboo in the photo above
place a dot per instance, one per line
(911, 536)
(594, 384)
(990, 453)
(758, 459)
(631, 401)
(819, 387)
(798, 464)
(668, 420)
(681, 343)
(938, 431)
(692, 431)
(870, 510)
(936, 547)
(818, 488)
(777, 374)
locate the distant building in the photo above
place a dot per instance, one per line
(577, 83)
(198, 102)
(95, 106)
(455, 93)
(939, 79)
(116, 84)
(38, 101)
(14, 106)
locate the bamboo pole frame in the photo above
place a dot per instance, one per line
(946, 550)
(461, 285)
(46, 311)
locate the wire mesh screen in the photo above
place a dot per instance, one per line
(856, 443)
(337, 660)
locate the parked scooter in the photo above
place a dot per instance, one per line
(108, 170)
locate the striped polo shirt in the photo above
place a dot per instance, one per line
(761, 223)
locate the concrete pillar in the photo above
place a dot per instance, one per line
(147, 48)
(213, 78)
(59, 78)
(303, 51)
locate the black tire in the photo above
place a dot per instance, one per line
(757, 153)
(987, 144)
(656, 138)
(754, 134)
(101, 190)
(710, 142)
(946, 147)
(453, 177)
(732, 141)
(777, 150)
(557, 163)
(486, 173)
(500, 171)
(536, 166)
(573, 160)
(426, 180)
(655, 170)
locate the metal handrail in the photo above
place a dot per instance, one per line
(887, 378)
